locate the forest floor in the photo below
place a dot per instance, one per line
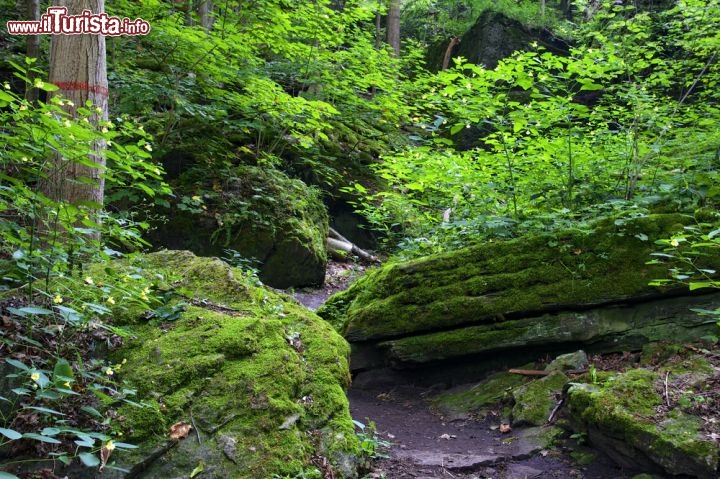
(422, 444)
(425, 445)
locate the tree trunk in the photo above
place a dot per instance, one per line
(204, 11)
(393, 26)
(33, 47)
(454, 41)
(77, 66)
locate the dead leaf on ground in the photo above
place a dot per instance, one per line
(180, 430)
(505, 428)
(105, 452)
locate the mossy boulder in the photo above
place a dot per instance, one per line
(624, 415)
(552, 292)
(535, 400)
(259, 213)
(260, 378)
(472, 399)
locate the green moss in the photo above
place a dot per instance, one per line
(486, 393)
(482, 284)
(535, 400)
(143, 422)
(625, 408)
(582, 458)
(258, 375)
(259, 212)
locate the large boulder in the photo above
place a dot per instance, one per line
(634, 417)
(259, 378)
(253, 213)
(520, 299)
(495, 36)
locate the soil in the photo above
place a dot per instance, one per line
(338, 277)
(420, 443)
(425, 445)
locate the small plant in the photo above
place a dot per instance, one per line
(579, 437)
(372, 447)
(593, 374)
(249, 266)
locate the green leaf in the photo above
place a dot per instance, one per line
(42, 380)
(17, 364)
(10, 434)
(700, 284)
(62, 372)
(5, 96)
(456, 128)
(590, 86)
(41, 438)
(7, 475)
(89, 442)
(29, 310)
(45, 410)
(124, 445)
(49, 87)
(92, 411)
(198, 469)
(89, 459)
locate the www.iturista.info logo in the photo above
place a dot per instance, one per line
(57, 22)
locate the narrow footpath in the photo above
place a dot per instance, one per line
(422, 444)
(426, 445)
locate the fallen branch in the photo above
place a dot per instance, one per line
(704, 352)
(156, 454)
(556, 409)
(529, 372)
(667, 395)
(340, 246)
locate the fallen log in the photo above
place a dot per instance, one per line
(339, 247)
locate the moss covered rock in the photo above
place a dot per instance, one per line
(260, 213)
(260, 379)
(623, 416)
(473, 399)
(535, 400)
(553, 291)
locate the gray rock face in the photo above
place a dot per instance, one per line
(569, 362)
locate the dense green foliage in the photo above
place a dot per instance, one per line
(623, 121)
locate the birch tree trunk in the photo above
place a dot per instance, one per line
(77, 66)
(393, 26)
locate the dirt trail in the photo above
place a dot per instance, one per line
(425, 445)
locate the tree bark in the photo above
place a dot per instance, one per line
(77, 66)
(393, 26)
(204, 11)
(454, 41)
(339, 247)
